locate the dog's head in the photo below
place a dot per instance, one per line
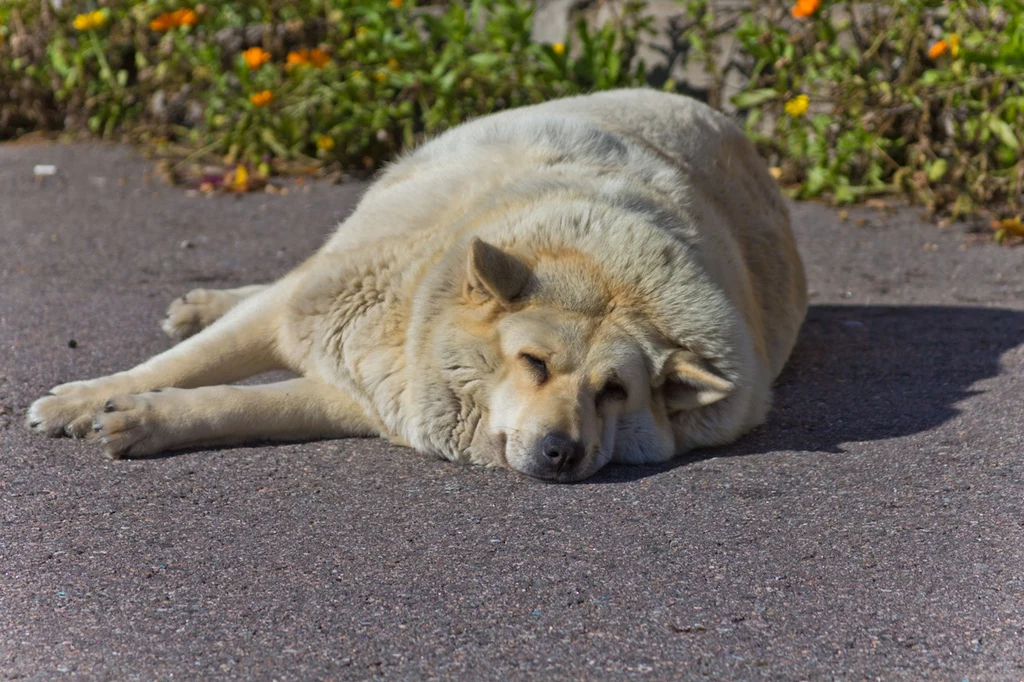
(574, 374)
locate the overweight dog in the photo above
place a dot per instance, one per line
(601, 278)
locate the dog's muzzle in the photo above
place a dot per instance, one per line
(556, 457)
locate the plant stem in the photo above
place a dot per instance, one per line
(101, 57)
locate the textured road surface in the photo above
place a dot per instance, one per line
(873, 528)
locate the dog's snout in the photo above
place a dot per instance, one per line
(561, 452)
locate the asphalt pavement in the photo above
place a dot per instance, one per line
(873, 528)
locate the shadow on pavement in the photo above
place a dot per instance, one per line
(864, 373)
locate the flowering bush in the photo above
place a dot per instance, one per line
(853, 100)
(341, 83)
(846, 100)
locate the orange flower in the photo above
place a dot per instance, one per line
(261, 99)
(255, 57)
(176, 19)
(297, 58)
(396, 4)
(162, 23)
(315, 57)
(938, 49)
(318, 58)
(185, 17)
(804, 9)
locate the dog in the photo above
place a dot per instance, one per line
(609, 277)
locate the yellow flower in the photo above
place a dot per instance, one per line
(255, 57)
(804, 9)
(361, 32)
(797, 106)
(325, 143)
(558, 48)
(261, 99)
(90, 20)
(380, 77)
(396, 4)
(938, 49)
(393, 64)
(240, 180)
(954, 45)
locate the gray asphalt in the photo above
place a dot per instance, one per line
(873, 528)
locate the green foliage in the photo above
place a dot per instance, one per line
(884, 112)
(887, 113)
(390, 73)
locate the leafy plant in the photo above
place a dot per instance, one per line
(846, 100)
(852, 100)
(341, 83)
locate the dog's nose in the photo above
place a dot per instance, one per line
(561, 452)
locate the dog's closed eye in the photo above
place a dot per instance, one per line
(536, 365)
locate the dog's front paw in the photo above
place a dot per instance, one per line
(195, 311)
(127, 426)
(67, 414)
(68, 410)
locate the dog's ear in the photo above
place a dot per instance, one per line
(494, 274)
(690, 382)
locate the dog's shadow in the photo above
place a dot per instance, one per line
(865, 373)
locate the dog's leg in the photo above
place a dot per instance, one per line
(239, 345)
(174, 418)
(200, 308)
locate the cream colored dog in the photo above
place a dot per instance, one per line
(594, 279)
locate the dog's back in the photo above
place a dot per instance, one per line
(717, 181)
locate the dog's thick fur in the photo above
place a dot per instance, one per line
(608, 277)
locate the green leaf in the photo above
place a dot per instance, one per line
(58, 61)
(485, 60)
(844, 194)
(1004, 132)
(937, 169)
(754, 98)
(817, 180)
(271, 141)
(614, 67)
(447, 81)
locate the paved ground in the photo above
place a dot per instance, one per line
(872, 528)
